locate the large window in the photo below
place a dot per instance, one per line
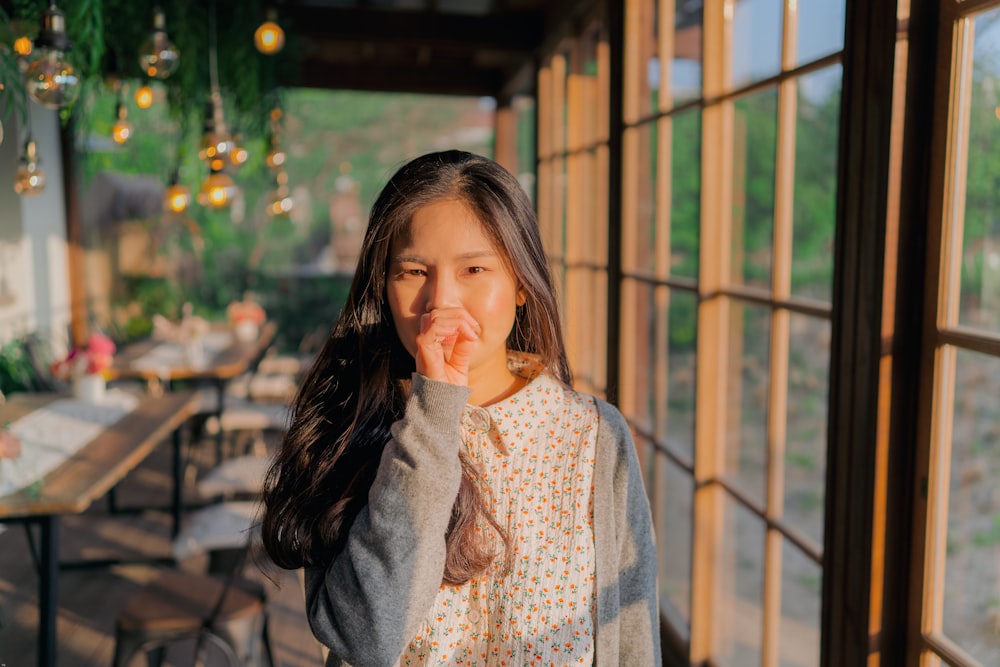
(811, 366)
(728, 213)
(957, 547)
(573, 195)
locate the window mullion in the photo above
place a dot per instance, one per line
(715, 251)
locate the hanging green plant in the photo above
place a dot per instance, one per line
(106, 37)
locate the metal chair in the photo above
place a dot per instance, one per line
(237, 478)
(219, 608)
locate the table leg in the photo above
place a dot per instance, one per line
(178, 491)
(220, 436)
(113, 500)
(48, 591)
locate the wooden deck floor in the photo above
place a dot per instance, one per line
(90, 598)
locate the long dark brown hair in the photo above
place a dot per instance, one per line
(358, 384)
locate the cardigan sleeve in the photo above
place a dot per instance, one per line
(627, 596)
(369, 601)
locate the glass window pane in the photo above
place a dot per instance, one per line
(685, 192)
(588, 76)
(640, 351)
(599, 258)
(801, 591)
(650, 26)
(972, 561)
(755, 146)
(685, 77)
(525, 108)
(805, 428)
(738, 614)
(821, 29)
(561, 195)
(594, 340)
(646, 452)
(815, 193)
(676, 493)
(682, 330)
(643, 254)
(747, 400)
(560, 68)
(756, 40)
(980, 292)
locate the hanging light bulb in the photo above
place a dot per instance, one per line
(177, 197)
(23, 42)
(144, 97)
(216, 145)
(29, 179)
(275, 155)
(49, 79)
(238, 155)
(121, 131)
(23, 46)
(269, 38)
(280, 202)
(158, 57)
(218, 190)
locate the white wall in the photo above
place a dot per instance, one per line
(34, 276)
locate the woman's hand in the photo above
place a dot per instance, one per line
(10, 446)
(445, 343)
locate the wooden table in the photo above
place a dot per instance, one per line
(86, 476)
(217, 371)
(227, 364)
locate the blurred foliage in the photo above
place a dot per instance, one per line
(15, 368)
(106, 36)
(817, 129)
(981, 223)
(337, 142)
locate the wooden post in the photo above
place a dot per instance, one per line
(74, 234)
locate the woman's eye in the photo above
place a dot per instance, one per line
(475, 269)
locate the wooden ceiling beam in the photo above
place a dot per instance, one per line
(433, 79)
(518, 33)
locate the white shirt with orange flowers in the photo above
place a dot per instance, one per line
(535, 450)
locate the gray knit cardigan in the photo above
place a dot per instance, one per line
(369, 602)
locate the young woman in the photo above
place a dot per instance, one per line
(453, 500)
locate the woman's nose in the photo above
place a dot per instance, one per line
(442, 292)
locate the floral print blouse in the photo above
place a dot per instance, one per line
(535, 450)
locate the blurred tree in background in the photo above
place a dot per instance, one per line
(339, 144)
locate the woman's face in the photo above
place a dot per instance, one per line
(449, 265)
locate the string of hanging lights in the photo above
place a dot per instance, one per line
(29, 180)
(217, 146)
(51, 81)
(280, 202)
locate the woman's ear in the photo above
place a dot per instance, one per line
(521, 298)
